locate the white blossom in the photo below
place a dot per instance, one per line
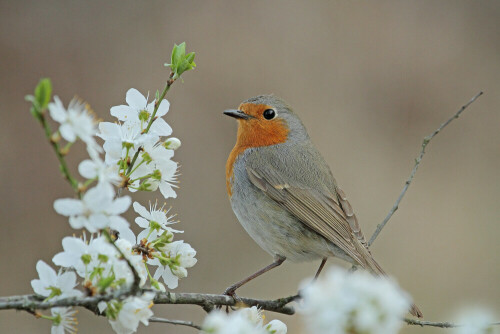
(96, 210)
(242, 321)
(154, 222)
(64, 320)
(132, 311)
(76, 122)
(138, 109)
(180, 256)
(358, 302)
(52, 285)
(475, 321)
(96, 169)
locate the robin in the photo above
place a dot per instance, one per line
(284, 194)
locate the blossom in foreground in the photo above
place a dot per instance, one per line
(175, 258)
(475, 321)
(242, 321)
(63, 320)
(125, 316)
(343, 302)
(96, 210)
(52, 285)
(76, 122)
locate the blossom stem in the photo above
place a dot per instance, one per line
(133, 170)
(57, 149)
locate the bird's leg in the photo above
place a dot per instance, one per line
(320, 268)
(232, 289)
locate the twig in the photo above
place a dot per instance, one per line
(175, 322)
(425, 142)
(423, 323)
(207, 301)
(134, 289)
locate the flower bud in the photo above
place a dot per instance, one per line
(172, 144)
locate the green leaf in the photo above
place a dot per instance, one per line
(43, 93)
(178, 53)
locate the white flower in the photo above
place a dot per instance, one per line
(96, 210)
(181, 256)
(63, 321)
(166, 175)
(475, 321)
(83, 256)
(54, 286)
(96, 168)
(242, 321)
(133, 311)
(120, 137)
(76, 122)
(358, 302)
(138, 109)
(155, 221)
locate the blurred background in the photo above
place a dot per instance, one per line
(369, 79)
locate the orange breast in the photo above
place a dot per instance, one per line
(254, 132)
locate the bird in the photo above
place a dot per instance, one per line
(283, 192)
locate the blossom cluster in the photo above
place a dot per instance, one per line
(342, 302)
(138, 157)
(243, 321)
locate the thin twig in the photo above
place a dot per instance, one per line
(423, 323)
(134, 289)
(425, 142)
(175, 322)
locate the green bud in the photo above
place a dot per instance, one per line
(43, 93)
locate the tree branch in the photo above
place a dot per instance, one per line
(206, 301)
(425, 142)
(423, 323)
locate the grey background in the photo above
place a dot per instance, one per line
(369, 79)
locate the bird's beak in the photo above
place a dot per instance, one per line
(237, 114)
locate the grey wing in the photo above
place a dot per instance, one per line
(322, 212)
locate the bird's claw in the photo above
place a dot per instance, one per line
(231, 292)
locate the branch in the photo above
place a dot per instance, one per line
(175, 322)
(425, 142)
(423, 323)
(206, 301)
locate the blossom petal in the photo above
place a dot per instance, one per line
(142, 211)
(68, 206)
(87, 169)
(161, 128)
(135, 99)
(163, 108)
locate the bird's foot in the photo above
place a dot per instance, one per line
(231, 292)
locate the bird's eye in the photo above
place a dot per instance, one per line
(269, 114)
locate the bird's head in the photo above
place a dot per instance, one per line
(266, 120)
